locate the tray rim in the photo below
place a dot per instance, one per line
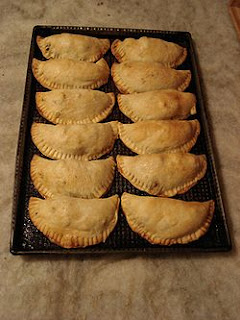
(21, 148)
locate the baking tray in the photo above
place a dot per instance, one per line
(26, 239)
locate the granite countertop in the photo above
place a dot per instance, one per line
(167, 286)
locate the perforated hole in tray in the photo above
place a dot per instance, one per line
(122, 238)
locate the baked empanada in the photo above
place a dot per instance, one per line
(74, 106)
(149, 49)
(138, 76)
(74, 141)
(167, 221)
(165, 174)
(157, 105)
(73, 178)
(151, 136)
(70, 74)
(73, 46)
(73, 222)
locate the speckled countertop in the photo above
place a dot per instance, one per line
(169, 286)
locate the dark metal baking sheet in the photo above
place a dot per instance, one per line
(26, 239)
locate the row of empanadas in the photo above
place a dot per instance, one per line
(158, 174)
(73, 178)
(73, 222)
(86, 48)
(91, 141)
(149, 49)
(77, 106)
(85, 141)
(129, 77)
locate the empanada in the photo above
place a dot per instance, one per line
(157, 105)
(151, 136)
(70, 74)
(149, 49)
(73, 222)
(73, 178)
(73, 46)
(138, 76)
(74, 141)
(167, 221)
(74, 106)
(165, 174)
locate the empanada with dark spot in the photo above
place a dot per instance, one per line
(138, 76)
(73, 178)
(151, 136)
(74, 106)
(73, 46)
(74, 141)
(70, 74)
(165, 174)
(167, 221)
(157, 105)
(74, 222)
(149, 49)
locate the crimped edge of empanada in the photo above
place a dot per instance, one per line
(42, 190)
(48, 54)
(119, 53)
(55, 154)
(126, 111)
(186, 82)
(167, 193)
(180, 59)
(45, 113)
(118, 81)
(73, 241)
(51, 85)
(97, 192)
(140, 229)
(183, 148)
(134, 116)
(117, 50)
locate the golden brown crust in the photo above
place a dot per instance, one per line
(165, 104)
(77, 47)
(143, 78)
(139, 146)
(46, 80)
(55, 218)
(131, 212)
(75, 178)
(55, 117)
(40, 135)
(148, 186)
(137, 51)
(122, 87)
(180, 59)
